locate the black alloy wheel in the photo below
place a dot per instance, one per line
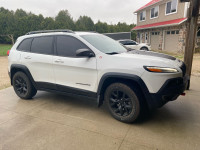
(23, 86)
(122, 102)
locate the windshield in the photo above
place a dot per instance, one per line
(104, 44)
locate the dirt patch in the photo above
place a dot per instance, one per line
(4, 77)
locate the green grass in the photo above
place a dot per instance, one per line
(4, 48)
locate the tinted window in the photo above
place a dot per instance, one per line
(67, 46)
(130, 43)
(25, 45)
(122, 42)
(42, 45)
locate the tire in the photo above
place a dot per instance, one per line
(144, 48)
(122, 102)
(23, 86)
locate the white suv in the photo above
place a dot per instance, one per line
(94, 65)
(134, 45)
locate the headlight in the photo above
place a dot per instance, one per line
(160, 69)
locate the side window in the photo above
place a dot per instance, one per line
(154, 12)
(131, 43)
(42, 45)
(123, 42)
(171, 7)
(143, 16)
(25, 45)
(67, 46)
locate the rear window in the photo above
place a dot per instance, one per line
(42, 45)
(25, 45)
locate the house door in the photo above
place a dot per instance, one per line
(171, 41)
(155, 40)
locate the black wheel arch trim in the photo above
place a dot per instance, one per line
(23, 69)
(132, 77)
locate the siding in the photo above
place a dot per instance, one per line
(162, 17)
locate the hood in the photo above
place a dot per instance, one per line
(151, 58)
(154, 54)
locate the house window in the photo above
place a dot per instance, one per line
(168, 32)
(177, 31)
(173, 32)
(143, 16)
(171, 7)
(146, 36)
(154, 12)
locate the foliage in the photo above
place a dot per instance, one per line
(4, 48)
(20, 22)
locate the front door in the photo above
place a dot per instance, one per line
(72, 72)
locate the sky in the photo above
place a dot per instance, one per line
(110, 11)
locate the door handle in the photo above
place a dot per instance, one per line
(59, 61)
(27, 57)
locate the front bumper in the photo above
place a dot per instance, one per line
(170, 91)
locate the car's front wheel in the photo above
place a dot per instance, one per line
(144, 49)
(122, 102)
(23, 86)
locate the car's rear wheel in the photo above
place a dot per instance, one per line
(23, 86)
(122, 102)
(144, 49)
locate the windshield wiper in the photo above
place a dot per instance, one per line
(112, 53)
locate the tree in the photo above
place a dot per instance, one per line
(84, 23)
(101, 27)
(64, 20)
(15, 24)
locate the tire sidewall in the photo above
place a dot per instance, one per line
(28, 83)
(134, 100)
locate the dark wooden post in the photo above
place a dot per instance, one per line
(191, 35)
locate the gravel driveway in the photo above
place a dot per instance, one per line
(4, 78)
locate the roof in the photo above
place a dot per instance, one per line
(161, 24)
(148, 4)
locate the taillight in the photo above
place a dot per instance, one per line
(8, 52)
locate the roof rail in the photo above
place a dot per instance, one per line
(49, 31)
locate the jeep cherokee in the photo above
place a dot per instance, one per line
(93, 65)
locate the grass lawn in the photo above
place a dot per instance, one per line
(4, 48)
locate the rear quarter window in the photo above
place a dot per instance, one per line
(25, 45)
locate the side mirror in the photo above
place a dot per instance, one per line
(85, 53)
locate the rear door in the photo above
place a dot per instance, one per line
(72, 71)
(39, 61)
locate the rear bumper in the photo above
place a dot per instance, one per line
(170, 91)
